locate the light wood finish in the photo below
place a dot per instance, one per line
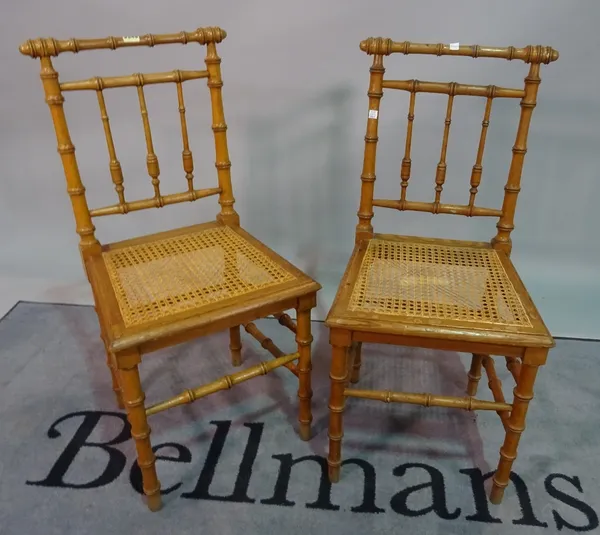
(495, 386)
(134, 397)
(133, 80)
(356, 362)
(428, 400)
(286, 321)
(437, 293)
(235, 345)
(224, 383)
(514, 367)
(158, 290)
(304, 340)
(523, 394)
(269, 345)
(451, 88)
(340, 345)
(474, 374)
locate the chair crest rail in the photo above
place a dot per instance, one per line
(530, 54)
(47, 46)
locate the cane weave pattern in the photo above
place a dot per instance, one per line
(165, 277)
(431, 281)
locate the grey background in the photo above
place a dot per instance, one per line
(295, 101)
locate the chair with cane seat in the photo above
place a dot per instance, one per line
(159, 290)
(437, 293)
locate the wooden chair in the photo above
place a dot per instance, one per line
(163, 289)
(436, 293)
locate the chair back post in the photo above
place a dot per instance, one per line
(88, 244)
(377, 47)
(505, 225)
(228, 215)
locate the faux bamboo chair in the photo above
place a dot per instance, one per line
(163, 289)
(436, 293)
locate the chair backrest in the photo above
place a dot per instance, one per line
(45, 48)
(379, 47)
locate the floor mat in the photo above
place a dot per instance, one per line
(233, 463)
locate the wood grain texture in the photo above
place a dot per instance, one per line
(245, 291)
(474, 374)
(529, 54)
(435, 293)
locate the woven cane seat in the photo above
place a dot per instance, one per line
(428, 282)
(203, 267)
(419, 280)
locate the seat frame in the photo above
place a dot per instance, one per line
(525, 349)
(125, 345)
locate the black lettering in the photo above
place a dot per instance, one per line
(528, 518)
(116, 458)
(483, 514)
(482, 505)
(183, 456)
(323, 501)
(279, 497)
(590, 514)
(240, 489)
(369, 489)
(399, 502)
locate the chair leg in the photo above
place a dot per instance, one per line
(133, 396)
(339, 377)
(115, 380)
(110, 363)
(304, 340)
(474, 374)
(523, 394)
(235, 345)
(357, 348)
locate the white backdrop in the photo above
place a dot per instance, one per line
(295, 101)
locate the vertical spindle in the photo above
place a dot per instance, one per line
(116, 172)
(151, 158)
(478, 167)
(440, 175)
(188, 161)
(406, 161)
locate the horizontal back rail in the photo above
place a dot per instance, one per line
(154, 202)
(529, 54)
(47, 46)
(132, 80)
(437, 208)
(452, 88)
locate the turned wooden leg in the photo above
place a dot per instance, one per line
(340, 342)
(474, 374)
(133, 396)
(357, 349)
(112, 366)
(304, 340)
(235, 345)
(115, 380)
(523, 394)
